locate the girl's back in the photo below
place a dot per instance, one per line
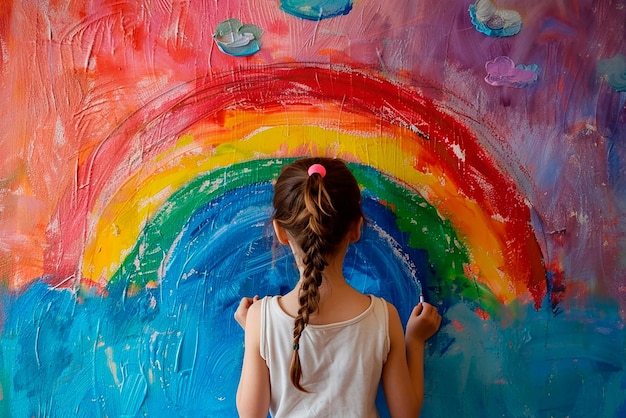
(323, 348)
(342, 362)
(338, 302)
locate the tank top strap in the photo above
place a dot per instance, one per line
(265, 308)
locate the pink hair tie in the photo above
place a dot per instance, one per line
(317, 168)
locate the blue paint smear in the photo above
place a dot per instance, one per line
(614, 69)
(176, 350)
(316, 9)
(538, 365)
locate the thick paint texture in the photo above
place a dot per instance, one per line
(492, 21)
(316, 9)
(503, 72)
(615, 71)
(236, 39)
(140, 144)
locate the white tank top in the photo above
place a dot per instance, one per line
(341, 362)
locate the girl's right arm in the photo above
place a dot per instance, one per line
(253, 393)
(405, 361)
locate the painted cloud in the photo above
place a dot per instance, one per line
(316, 9)
(615, 71)
(236, 39)
(494, 22)
(502, 71)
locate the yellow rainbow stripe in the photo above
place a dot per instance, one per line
(248, 135)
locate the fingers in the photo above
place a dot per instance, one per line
(430, 311)
(418, 309)
(245, 302)
(424, 308)
(426, 318)
(242, 310)
(433, 316)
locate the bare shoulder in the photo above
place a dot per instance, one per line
(254, 313)
(394, 316)
(396, 330)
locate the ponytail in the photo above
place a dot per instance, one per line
(320, 210)
(317, 209)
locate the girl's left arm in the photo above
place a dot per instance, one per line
(253, 394)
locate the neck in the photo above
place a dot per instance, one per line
(332, 278)
(334, 269)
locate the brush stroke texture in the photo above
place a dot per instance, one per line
(102, 99)
(316, 9)
(177, 348)
(493, 21)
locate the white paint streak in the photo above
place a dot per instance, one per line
(112, 365)
(397, 250)
(458, 152)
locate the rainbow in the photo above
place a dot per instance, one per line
(138, 189)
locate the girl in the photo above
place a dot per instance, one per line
(322, 349)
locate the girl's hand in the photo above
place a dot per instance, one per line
(242, 310)
(423, 323)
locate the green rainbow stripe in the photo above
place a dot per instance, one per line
(413, 215)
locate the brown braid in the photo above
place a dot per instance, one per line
(317, 212)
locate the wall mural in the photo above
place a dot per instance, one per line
(140, 143)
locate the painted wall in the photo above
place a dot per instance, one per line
(140, 139)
